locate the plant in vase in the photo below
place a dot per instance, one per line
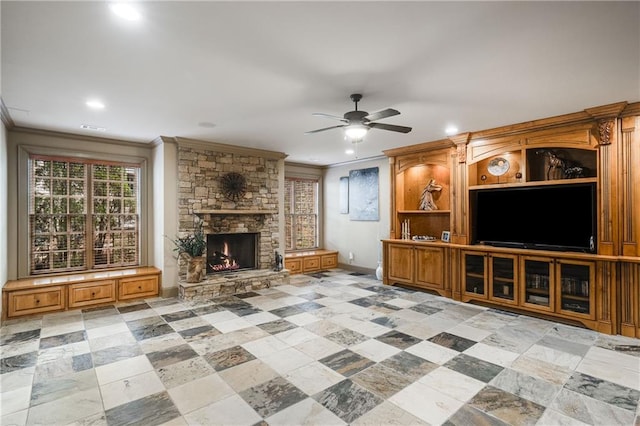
(192, 247)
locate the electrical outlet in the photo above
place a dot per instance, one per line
(350, 255)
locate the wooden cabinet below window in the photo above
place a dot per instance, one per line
(42, 294)
(293, 265)
(92, 293)
(136, 287)
(329, 260)
(310, 261)
(26, 302)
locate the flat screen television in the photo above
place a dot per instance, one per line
(549, 217)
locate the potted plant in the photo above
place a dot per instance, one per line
(192, 247)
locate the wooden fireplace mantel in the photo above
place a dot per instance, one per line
(232, 211)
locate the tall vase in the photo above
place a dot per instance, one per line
(196, 269)
(379, 271)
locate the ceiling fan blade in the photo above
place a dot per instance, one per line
(322, 130)
(392, 127)
(389, 112)
(335, 117)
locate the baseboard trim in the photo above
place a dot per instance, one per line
(360, 269)
(169, 292)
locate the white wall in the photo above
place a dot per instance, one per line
(362, 238)
(165, 212)
(4, 191)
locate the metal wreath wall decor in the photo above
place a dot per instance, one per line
(234, 186)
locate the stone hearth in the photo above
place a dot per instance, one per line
(231, 283)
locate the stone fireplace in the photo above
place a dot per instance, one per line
(243, 233)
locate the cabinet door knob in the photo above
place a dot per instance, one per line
(139, 287)
(93, 294)
(37, 300)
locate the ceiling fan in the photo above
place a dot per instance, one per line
(356, 123)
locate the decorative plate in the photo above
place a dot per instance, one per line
(234, 185)
(498, 166)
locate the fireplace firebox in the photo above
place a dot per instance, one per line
(231, 252)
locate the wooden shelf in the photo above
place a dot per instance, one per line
(543, 291)
(232, 211)
(574, 297)
(534, 183)
(424, 211)
(474, 275)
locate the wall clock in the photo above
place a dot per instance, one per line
(234, 186)
(498, 166)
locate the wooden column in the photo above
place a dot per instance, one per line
(629, 154)
(459, 190)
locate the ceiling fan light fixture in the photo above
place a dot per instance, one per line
(125, 11)
(355, 132)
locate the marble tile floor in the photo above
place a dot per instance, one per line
(332, 348)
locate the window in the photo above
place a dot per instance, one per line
(83, 214)
(301, 213)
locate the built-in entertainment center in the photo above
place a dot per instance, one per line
(541, 217)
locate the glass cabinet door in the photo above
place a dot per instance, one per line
(576, 287)
(537, 278)
(474, 273)
(503, 282)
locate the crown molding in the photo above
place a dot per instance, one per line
(229, 149)
(606, 111)
(631, 109)
(161, 140)
(5, 116)
(425, 146)
(356, 161)
(75, 136)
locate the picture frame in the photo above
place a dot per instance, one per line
(363, 194)
(446, 236)
(344, 195)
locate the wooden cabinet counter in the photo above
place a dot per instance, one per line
(310, 261)
(417, 264)
(38, 295)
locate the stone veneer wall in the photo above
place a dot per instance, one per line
(199, 189)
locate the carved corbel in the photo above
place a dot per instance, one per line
(461, 141)
(604, 128)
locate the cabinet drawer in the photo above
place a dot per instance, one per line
(311, 263)
(329, 261)
(27, 302)
(131, 288)
(92, 293)
(293, 265)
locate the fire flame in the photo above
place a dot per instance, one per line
(227, 263)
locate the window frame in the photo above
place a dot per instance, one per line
(25, 152)
(318, 183)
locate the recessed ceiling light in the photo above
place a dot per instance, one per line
(451, 130)
(349, 151)
(206, 124)
(125, 11)
(92, 127)
(95, 104)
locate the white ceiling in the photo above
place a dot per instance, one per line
(258, 70)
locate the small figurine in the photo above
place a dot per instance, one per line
(278, 262)
(426, 200)
(569, 169)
